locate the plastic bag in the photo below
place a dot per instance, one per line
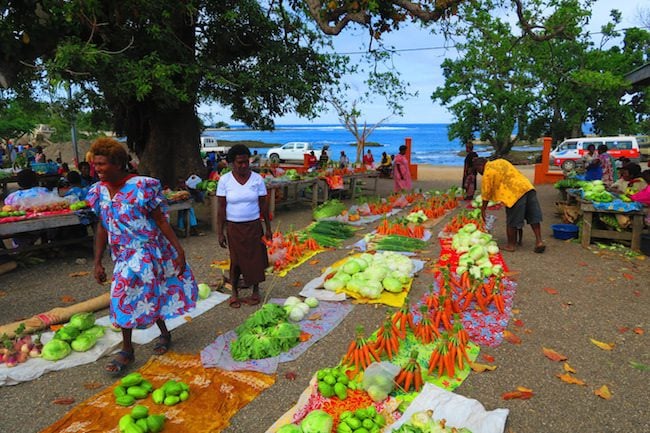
(378, 379)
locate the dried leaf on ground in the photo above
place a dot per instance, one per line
(623, 329)
(518, 322)
(639, 331)
(639, 366)
(582, 263)
(550, 290)
(2, 293)
(566, 377)
(553, 355)
(516, 311)
(520, 393)
(480, 368)
(304, 336)
(68, 299)
(78, 274)
(315, 316)
(92, 385)
(628, 276)
(568, 368)
(511, 338)
(636, 293)
(63, 400)
(488, 358)
(290, 375)
(297, 284)
(603, 392)
(314, 262)
(188, 319)
(600, 344)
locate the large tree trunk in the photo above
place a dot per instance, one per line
(171, 150)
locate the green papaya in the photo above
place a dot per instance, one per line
(174, 389)
(184, 395)
(146, 385)
(119, 391)
(155, 423)
(139, 411)
(137, 392)
(125, 400)
(132, 379)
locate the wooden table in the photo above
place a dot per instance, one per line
(588, 232)
(40, 224)
(350, 183)
(43, 180)
(293, 192)
(182, 205)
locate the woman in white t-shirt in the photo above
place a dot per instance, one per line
(241, 195)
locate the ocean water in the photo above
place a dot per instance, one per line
(430, 144)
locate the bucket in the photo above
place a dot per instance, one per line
(645, 244)
(565, 231)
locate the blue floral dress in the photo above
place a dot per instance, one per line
(145, 285)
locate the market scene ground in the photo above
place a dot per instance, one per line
(565, 297)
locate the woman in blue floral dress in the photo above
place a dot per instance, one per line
(151, 280)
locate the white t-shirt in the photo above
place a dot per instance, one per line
(242, 201)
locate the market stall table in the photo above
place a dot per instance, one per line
(350, 183)
(588, 232)
(43, 180)
(293, 192)
(40, 224)
(179, 206)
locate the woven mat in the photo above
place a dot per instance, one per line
(215, 396)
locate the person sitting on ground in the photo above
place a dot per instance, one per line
(502, 182)
(631, 181)
(385, 165)
(369, 160)
(76, 189)
(64, 169)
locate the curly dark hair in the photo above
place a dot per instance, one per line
(27, 178)
(111, 149)
(236, 150)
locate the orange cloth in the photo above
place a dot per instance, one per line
(215, 396)
(502, 182)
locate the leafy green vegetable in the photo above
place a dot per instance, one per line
(330, 208)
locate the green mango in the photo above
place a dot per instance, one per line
(132, 379)
(174, 389)
(124, 421)
(171, 400)
(139, 411)
(158, 396)
(142, 423)
(119, 391)
(146, 385)
(137, 392)
(184, 395)
(125, 400)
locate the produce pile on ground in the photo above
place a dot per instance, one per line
(423, 422)
(370, 274)
(327, 234)
(79, 334)
(20, 348)
(286, 250)
(269, 331)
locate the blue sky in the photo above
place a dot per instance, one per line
(422, 68)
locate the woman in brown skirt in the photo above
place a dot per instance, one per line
(241, 195)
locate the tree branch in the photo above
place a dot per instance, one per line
(529, 28)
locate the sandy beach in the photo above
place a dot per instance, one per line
(428, 172)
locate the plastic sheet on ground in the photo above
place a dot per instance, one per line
(364, 219)
(215, 396)
(144, 336)
(329, 316)
(283, 272)
(459, 411)
(315, 288)
(34, 368)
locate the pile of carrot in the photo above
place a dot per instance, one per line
(449, 353)
(402, 318)
(424, 330)
(387, 339)
(294, 248)
(397, 228)
(459, 221)
(410, 376)
(437, 205)
(467, 290)
(360, 354)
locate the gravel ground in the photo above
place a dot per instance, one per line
(598, 293)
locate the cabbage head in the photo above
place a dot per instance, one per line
(83, 343)
(82, 321)
(317, 421)
(55, 349)
(290, 428)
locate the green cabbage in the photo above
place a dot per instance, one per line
(330, 208)
(82, 321)
(55, 349)
(67, 333)
(317, 421)
(83, 343)
(290, 428)
(96, 331)
(391, 284)
(204, 291)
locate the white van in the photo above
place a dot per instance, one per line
(568, 153)
(210, 144)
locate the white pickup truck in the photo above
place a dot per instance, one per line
(292, 151)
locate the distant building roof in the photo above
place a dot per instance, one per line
(640, 76)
